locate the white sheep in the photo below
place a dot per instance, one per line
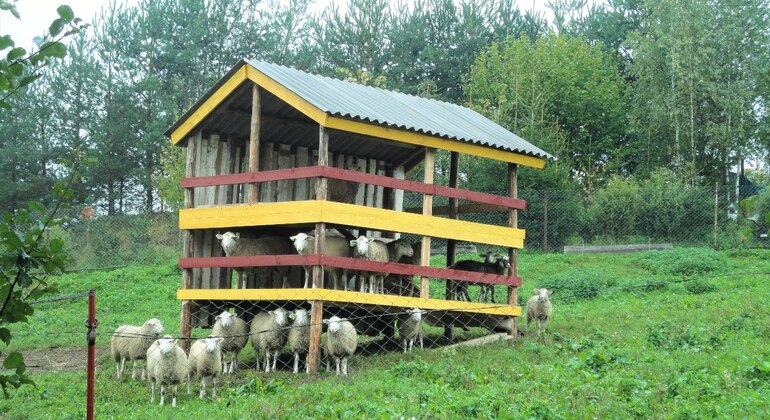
(341, 341)
(410, 328)
(130, 342)
(235, 333)
(235, 246)
(540, 309)
(299, 336)
(334, 245)
(375, 250)
(166, 365)
(205, 361)
(269, 334)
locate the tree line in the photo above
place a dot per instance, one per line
(616, 90)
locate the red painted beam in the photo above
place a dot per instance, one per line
(354, 176)
(350, 264)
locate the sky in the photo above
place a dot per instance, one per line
(37, 15)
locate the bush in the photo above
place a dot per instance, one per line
(682, 261)
(614, 210)
(698, 287)
(582, 284)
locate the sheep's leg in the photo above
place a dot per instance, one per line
(345, 280)
(233, 362)
(189, 383)
(223, 358)
(421, 346)
(173, 398)
(275, 359)
(307, 277)
(405, 346)
(337, 361)
(162, 393)
(345, 366)
(296, 362)
(267, 361)
(213, 387)
(144, 370)
(526, 326)
(121, 367)
(202, 392)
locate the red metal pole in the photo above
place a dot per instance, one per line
(91, 323)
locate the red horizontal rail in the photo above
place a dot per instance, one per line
(350, 264)
(354, 176)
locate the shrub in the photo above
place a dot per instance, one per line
(682, 261)
(581, 284)
(614, 210)
(698, 287)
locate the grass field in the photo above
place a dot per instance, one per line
(629, 338)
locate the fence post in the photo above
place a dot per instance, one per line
(91, 324)
(545, 222)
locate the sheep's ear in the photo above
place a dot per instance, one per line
(293, 238)
(237, 235)
(353, 242)
(219, 236)
(325, 321)
(271, 312)
(536, 290)
(343, 319)
(370, 239)
(549, 292)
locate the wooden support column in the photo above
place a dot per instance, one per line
(513, 253)
(427, 210)
(451, 246)
(185, 326)
(253, 189)
(316, 310)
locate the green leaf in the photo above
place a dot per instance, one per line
(13, 360)
(16, 53)
(16, 70)
(5, 335)
(767, 218)
(53, 49)
(29, 79)
(65, 12)
(5, 42)
(56, 27)
(11, 8)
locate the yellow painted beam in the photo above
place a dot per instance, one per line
(430, 141)
(211, 103)
(286, 95)
(340, 296)
(297, 212)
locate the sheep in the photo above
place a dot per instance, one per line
(205, 360)
(167, 365)
(131, 343)
(540, 309)
(268, 334)
(235, 334)
(338, 190)
(334, 245)
(403, 285)
(410, 328)
(235, 246)
(376, 250)
(299, 336)
(341, 342)
(490, 265)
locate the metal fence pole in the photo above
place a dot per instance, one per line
(91, 324)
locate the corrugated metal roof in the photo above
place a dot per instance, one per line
(391, 109)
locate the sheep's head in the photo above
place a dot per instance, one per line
(225, 319)
(302, 242)
(167, 344)
(489, 257)
(402, 248)
(212, 343)
(504, 262)
(361, 245)
(280, 316)
(334, 323)
(228, 238)
(300, 316)
(415, 313)
(543, 295)
(155, 327)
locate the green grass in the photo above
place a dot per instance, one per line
(671, 351)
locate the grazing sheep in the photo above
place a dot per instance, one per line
(269, 333)
(491, 265)
(131, 343)
(341, 341)
(235, 334)
(166, 365)
(410, 328)
(375, 250)
(235, 246)
(205, 361)
(540, 309)
(334, 245)
(299, 336)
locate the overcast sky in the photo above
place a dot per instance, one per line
(36, 15)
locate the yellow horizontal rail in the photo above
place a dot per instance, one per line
(339, 296)
(312, 211)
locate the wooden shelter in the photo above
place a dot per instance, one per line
(263, 144)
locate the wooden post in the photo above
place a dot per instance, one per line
(316, 310)
(451, 246)
(253, 189)
(513, 253)
(427, 210)
(185, 322)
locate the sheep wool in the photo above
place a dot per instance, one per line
(341, 341)
(410, 328)
(166, 365)
(334, 245)
(539, 308)
(269, 334)
(235, 333)
(235, 246)
(205, 361)
(130, 343)
(299, 336)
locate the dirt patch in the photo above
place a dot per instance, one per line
(58, 359)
